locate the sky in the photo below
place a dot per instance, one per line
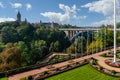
(74, 12)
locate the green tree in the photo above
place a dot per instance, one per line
(24, 52)
(118, 25)
(8, 34)
(71, 49)
(57, 46)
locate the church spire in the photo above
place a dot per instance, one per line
(18, 17)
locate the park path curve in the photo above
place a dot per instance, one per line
(39, 70)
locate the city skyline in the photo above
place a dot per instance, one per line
(77, 12)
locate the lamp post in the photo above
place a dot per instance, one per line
(114, 31)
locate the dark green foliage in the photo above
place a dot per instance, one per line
(114, 72)
(29, 78)
(118, 25)
(9, 34)
(33, 41)
(45, 72)
(101, 68)
(94, 62)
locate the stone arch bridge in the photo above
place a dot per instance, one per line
(70, 32)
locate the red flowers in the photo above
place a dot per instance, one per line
(111, 63)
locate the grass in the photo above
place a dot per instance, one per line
(3, 78)
(85, 72)
(22, 79)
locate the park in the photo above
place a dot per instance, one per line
(55, 51)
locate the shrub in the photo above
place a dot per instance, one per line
(104, 55)
(94, 62)
(113, 71)
(29, 78)
(101, 68)
(85, 60)
(68, 66)
(2, 75)
(45, 72)
(77, 63)
(57, 69)
(92, 58)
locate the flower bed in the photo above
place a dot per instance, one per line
(58, 70)
(111, 63)
(103, 70)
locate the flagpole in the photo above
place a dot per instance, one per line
(114, 30)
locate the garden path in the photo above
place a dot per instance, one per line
(39, 70)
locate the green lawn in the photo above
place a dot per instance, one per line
(82, 73)
(3, 79)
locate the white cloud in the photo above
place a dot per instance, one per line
(1, 5)
(28, 6)
(106, 8)
(108, 20)
(6, 19)
(79, 17)
(69, 12)
(16, 5)
(102, 6)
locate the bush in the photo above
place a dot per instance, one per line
(101, 68)
(29, 78)
(57, 69)
(94, 62)
(45, 72)
(77, 63)
(104, 55)
(2, 75)
(113, 71)
(85, 60)
(68, 66)
(92, 58)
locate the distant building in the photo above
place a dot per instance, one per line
(49, 25)
(110, 26)
(18, 17)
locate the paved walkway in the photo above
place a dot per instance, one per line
(35, 71)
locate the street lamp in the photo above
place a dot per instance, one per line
(114, 31)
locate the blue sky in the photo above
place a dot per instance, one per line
(75, 12)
